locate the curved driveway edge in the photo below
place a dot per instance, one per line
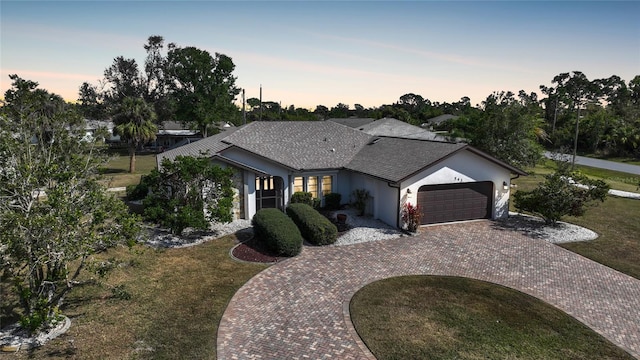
(294, 310)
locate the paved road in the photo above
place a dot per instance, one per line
(299, 309)
(602, 164)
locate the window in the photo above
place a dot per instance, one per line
(326, 185)
(264, 183)
(298, 184)
(312, 186)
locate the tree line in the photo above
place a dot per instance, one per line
(198, 89)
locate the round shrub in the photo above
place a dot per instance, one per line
(278, 231)
(314, 227)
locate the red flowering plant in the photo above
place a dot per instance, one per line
(411, 216)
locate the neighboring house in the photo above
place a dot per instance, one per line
(450, 181)
(352, 122)
(171, 133)
(395, 128)
(439, 119)
(91, 126)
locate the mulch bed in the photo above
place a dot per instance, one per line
(254, 250)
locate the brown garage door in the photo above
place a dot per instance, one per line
(455, 202)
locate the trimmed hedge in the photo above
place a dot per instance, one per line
(314, 227)
(278, 231)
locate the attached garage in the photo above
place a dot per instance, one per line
(455, 202)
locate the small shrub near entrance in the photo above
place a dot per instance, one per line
(301, 197)
(278, 231)
(314, 227)
(332, 201)
(411, 217)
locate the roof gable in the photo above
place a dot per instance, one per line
(394, 159)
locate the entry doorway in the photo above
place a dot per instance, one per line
(269, 193)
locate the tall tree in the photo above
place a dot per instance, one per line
(134, 120)
(203, 86)
(54, 214)
(339, 111)
(507, 129)
(155, 81)
(322, 112)
(579, 90)
(122, 79)
(90, 102)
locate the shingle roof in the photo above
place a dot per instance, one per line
(395, 159)
(396, 128)
(301, 145)
(352, 122)
(317, 145)
(210, 145)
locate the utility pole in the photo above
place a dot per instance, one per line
(260, 118)
(575, 139)
(244, 110)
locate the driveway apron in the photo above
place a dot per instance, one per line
(298, 309)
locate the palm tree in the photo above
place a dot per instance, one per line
(134, 123)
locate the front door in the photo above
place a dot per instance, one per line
(269, 193)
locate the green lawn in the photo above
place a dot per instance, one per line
(431, 317)
(116, 171)
(617, 221)
(177, 299)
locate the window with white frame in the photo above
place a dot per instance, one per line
(318, 186)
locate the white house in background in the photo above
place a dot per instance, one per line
(450, 181)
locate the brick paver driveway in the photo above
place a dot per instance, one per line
(298, 309)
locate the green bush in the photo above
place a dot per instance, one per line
(301, 197)
(140, 191)
(183, 189)
(559, 196)
(278, 232)
(314, 227)
(332, 201)
(360, 199)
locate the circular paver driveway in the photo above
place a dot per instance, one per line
(298, 309)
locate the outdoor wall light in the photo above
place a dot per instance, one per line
(505, 186)
(408, 191)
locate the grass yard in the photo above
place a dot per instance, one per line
(177, 297)
(116, 170)
(617, 221)
(430, 317)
